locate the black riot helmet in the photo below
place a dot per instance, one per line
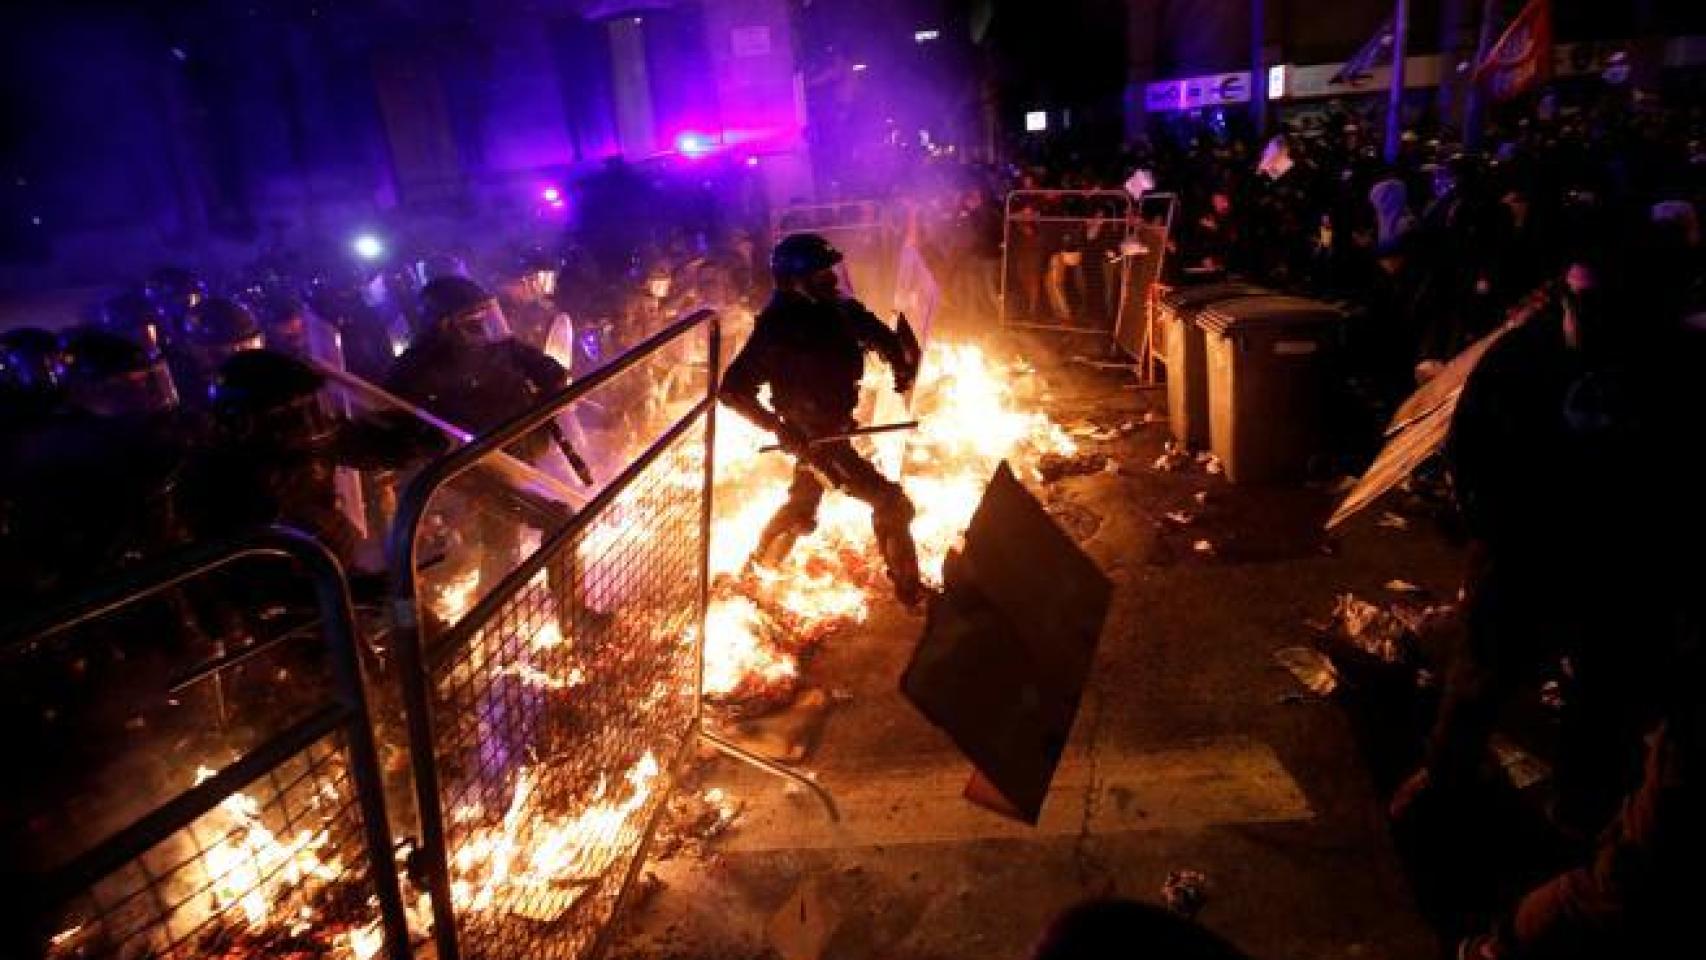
(801, 255)
(459, 307)
(272, 398)
(284, 320)
(29, 362)
(110, 375)
(222, 324)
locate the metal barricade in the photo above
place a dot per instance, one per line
(551, 703)
(1144, 258)
(1061, 265)
(283, 850)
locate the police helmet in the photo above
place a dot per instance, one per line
(802, 254)
(222, 323)
(451, 300)
(111, 374)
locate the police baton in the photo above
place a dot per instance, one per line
(848, 435)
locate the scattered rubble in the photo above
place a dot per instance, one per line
(1053, 467)
(1392, 521)
(1522, 769)
(1404, 586)
(1387, 633)
(1181, 517)
(1204, 547)
(1311, 667)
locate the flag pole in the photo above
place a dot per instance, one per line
(1259, 67)
(1472, 115)
(1395, 99)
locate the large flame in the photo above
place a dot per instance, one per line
(971, 412)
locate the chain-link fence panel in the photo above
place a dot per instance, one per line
(220, 820)
(1143, 259)
(551, 705)
(1062, 265)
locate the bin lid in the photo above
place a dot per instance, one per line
(1246, 313)
(1190, 299)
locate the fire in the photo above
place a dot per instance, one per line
(972, 413)
(538, 863)
(252, 886)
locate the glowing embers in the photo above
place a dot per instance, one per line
(538, 863)
(276, 869)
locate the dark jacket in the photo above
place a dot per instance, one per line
(812, 355)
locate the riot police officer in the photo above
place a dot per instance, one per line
(87, 481)
(275, 448)
(808, 345)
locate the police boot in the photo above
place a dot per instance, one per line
(900, 555)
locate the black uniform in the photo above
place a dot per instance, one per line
(812, 355)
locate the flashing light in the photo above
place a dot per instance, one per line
(925, 36)
(693, 145)
(752, 161)
(1276, 81)
(860, 67)
(1036, 121)
(552, 195)
(368, 247)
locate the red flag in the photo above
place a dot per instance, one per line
(1523, 56)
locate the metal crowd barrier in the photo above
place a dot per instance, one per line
(1061, 261)
(1140, 281)
(285, 850)
(550, 710)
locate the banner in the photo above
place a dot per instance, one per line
(1522, 58)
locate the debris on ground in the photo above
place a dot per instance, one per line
(1393, 521)
(1311, 668)
(1387, 633)
(1174, 457)
(694, 820)
(1130, 426)
(1150, 416)
(1185, 892)
(1181, 517)
(1053, 466)
(1201, 497)
(1204, 547)
(1403, 586)
(1211, 464)
(1522, 769)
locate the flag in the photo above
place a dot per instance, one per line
(1374, 53)
(1523, 56)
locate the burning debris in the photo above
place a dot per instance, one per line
(237, 887)
(764, 623)
(1387, 633)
